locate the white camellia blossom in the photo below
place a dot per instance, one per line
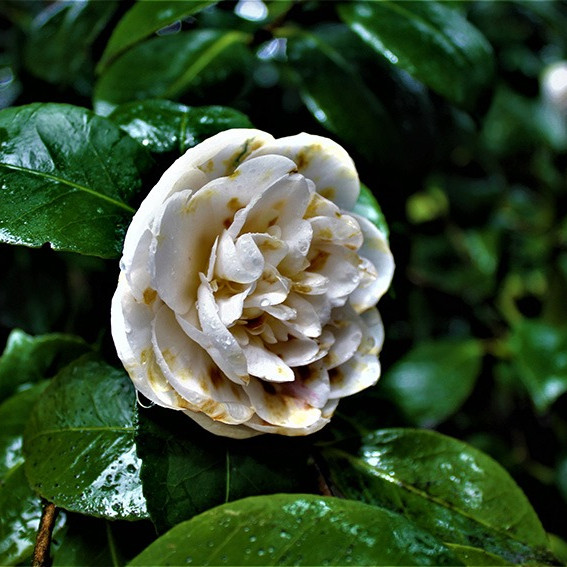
(247, 291)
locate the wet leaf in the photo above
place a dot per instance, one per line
(289, 529)
(168, 66)
(453, 490)
(433, 42)
(27, 359)
(433, 379)
(21, 507)
(164, 126)
(541, 360)
(143, 19)
(66, 177)
(79, 442)
(186, 470)
(60, 39)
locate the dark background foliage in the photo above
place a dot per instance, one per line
(461, 146)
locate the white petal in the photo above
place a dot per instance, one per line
(348, 334)
(307, 321)
(340, 266)
(358, 373)
(373, 337)
(271, 289)
(193, 374)
(222, 341)
(342, 230)
(273, 406)
(375, 248)
(297, 352)
(323, 161)
(311, 384)
(310, 283)
(239, 261)
(297, 235)
(222, 429)
(264, 364)
(273, 249)
(131, 324)
(230, 307)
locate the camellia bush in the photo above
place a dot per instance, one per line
(284, 283)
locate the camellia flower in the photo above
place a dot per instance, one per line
(247, 291)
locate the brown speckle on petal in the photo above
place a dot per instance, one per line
(149, 295)
(328, 192)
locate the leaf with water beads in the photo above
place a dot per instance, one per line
(79, 443)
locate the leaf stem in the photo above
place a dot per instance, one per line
(41, 552)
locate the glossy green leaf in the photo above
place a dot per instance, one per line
(19, 521)
(476, 556)
(186, 470)
(433, 380)
(14, 413)
(322, 73)
(79, 442)
(541, 360)
(164, 126)
(66, 177)
(145, 18)
(60, 39)
(453, 490)
(168, 66)
(28, 359)
(21, 507)
(296, 530)
(432, 42)
(368, 207)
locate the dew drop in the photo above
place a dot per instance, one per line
(188, 560)
(264, 303)
(131, 469)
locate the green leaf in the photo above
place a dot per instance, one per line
(322, 74)
(14, 413)
(168, 66)
(433, 380)
(79, 442)
(164, 126)
(368, 207)
(66, 177)
(447, 487)
(21, 507)
(60, 38)
(28, 359)
(476, 556)
(145, 18)
(541, 360)
(19, 521)
(432, 42)
(186, 470)
(296, 530)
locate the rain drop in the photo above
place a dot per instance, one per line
(131, 469)
(253, 538)
(264, 303)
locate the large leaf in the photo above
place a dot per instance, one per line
(433, 380)
(60, 38)
(80, 442)
(66, 178)
(541, 360)
(453, 490)
(429, 40)
(21, 507)
(186, 470)
(296, 530)
(28, 359)
(166, 67)
(322, 74)
(164, 126)
(145, 18)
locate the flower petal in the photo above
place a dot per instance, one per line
(193, 374)
(131, 324)
(264, 364)
(323, 161)
(375, 248)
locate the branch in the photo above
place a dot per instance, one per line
(41, 552)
